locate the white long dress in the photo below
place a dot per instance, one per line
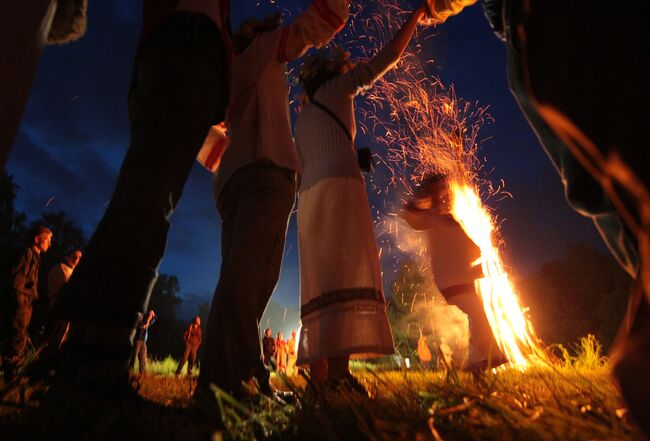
(343, 308)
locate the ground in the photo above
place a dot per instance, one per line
(572, 399)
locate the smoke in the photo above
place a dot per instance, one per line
(419, 305)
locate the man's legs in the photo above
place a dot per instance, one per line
(255, 207)
(179, 90)
(136, 354)
(142, 358)
(483, 349)
(181, 363)
(16, 336)
(191, 360)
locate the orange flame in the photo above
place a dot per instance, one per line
(512, 330)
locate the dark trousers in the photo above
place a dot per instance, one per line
(179, 89)
(254, 208)
(189, 356)
(139, 352)
(15, 335)
(580, 75)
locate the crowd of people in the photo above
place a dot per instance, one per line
(283, 353)
(191, 73)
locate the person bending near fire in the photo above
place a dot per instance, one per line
(453, 256)
(192, 337)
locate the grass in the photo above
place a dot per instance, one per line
(574, 399)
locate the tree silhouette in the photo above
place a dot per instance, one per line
(586, 292)
(165, 336)
(12, 227)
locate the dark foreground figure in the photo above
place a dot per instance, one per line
(579, 74)
(179, 89)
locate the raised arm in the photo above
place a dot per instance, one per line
(393, 50)
(364, 74)
(313, 28)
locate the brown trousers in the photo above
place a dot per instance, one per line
(16, 329)
(189, 356)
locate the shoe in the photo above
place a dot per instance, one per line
(280, 396)
(347, 382)
(482, 365)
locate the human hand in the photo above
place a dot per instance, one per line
(437, 11)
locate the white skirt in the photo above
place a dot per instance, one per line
(343, 309)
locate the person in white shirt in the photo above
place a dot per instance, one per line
(255, 188)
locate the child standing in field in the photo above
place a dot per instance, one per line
(342, 301)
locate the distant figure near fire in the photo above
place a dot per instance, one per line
(268, 346)
(292, 353)
(424, 353)
(141, 335)
(281, 353)
(453, 255)
(192, 337)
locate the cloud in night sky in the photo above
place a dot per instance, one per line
(75, 133)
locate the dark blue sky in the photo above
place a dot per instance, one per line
(75, 132)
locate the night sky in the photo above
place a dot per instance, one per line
(74, 134)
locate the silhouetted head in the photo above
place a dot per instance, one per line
(252, 28)
(42, 238)
(321, 67)
(433, 193)
(72, 258)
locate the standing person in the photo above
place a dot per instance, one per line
(453, 256)
(17, 302)
(179, 90)
(192, 337)
(281, 353)
(268, 346)
(141, 335)
(424, 353)
(255, 190)
(25, 28)
(341, 293)
(292, 353)
(59, 276)
(56, 279)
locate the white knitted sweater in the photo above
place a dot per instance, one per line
(324, 149)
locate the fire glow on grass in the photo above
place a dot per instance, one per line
(429, 130)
